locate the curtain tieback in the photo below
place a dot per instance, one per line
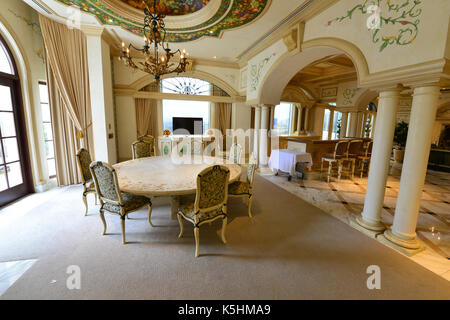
(80, 133)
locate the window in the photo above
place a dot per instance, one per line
(326, 121)
(337, 121)
(282, 118)
(184, 85)
(48, 132)
(184, 108)
(5, 62)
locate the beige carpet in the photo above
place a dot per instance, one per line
(290, 250)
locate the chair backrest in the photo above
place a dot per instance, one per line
(355, 147)
(84, 160)
(141, 149)
(149, 139)
(341, 148)
(252, 165)
(106, 182)
(235, 153)
(369, 148)
(212, 188)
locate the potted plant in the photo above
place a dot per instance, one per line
(367, 128)
(400, 135)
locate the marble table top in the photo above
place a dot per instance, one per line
(162, 176)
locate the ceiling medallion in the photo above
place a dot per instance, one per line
(156, 49)
(230, 14)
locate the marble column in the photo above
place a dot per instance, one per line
(263, 135)
(256, 130)
(418, 144)
(330, 125)
(101, 94)
(299, 119)
(306, 119)
(379, 164)
(343, 132)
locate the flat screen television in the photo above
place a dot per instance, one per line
(191, 125)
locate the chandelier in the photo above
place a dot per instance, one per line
(157, 55)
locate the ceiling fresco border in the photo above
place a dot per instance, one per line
(231, 14)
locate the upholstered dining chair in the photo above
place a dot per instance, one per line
(210, 202)
(112, 199)
(235, 153)
(196, 146)
(245, 188)
(354, 149)
(141, 149)
(83, 161)
(339, 153)
(149, 139)
(365, 157)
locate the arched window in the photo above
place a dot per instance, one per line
(15, 172)
(6, 65)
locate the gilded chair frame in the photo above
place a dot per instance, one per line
(336, 159)
(119, 202)
(87, 182)
(366, 157)
(251, 169)
(197, 210)
(352, 157)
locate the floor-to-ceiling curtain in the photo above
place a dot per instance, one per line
(68, 80)
(224, 116)
(146, 117)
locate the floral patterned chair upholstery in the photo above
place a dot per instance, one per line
(142, 149)
(112, 199)
(210, 202)
(235, 153)
(149, 139)
(245, 188)
(83, 161)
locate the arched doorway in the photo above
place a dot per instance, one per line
(15, 171)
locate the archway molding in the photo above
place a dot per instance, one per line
(285, 68)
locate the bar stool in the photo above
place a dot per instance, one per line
(355, 148)
(339, 154)
(365, 157)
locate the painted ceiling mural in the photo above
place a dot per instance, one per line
(231, 14)
(171, 7)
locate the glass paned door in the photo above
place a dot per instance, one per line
(14, 169)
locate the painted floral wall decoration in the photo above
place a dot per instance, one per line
(348, 96)
(256, 71)
(398, 22)
(36, 29)
(231, 14)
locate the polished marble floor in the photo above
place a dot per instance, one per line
(344, 200)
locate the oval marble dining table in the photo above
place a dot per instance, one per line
(164, 176)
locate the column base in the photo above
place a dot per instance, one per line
(407, 247)
(371, 226)
(368, 232)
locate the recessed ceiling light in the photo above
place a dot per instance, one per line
(215, 57)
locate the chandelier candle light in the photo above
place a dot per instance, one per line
(157, 61)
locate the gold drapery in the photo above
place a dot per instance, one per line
(146, 117)
(68, 81)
